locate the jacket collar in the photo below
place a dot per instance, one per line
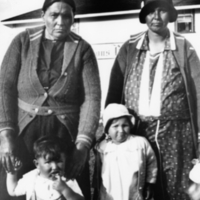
(71, 43)
(142, 41)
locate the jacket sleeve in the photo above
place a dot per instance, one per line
(194, 69)
(8, 85)
(193, 91)
(116, 83)
(90, 108)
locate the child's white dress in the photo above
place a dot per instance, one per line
(125, 168)
(36, 187)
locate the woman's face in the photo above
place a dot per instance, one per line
(58, 19)
(119, 130)
(157, 20)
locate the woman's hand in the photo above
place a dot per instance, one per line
(8, 157)
(79, 158)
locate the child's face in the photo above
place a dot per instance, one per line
(50, 168)
(119, 130)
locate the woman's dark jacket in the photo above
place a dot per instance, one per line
(75, 97)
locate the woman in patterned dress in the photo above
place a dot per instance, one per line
(157, 76)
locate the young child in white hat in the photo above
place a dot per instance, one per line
(128, 163)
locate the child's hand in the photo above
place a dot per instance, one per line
(194, 191)
(59, 184)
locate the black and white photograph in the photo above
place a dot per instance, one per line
(100, 100)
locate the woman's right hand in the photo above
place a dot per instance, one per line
(8, 157)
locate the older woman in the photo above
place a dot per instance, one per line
(157, 76)
(49, 84)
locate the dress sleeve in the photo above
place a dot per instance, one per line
(90, 108)
(194, 69)
(26, 184)
(21, 187)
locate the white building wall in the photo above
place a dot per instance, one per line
(107, 31)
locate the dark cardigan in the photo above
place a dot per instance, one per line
(77, 92)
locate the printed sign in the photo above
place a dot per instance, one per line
(106, 51)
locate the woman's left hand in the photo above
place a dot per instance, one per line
(79, 158)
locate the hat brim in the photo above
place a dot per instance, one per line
(48, 3)
(146, 9)
(108, 123)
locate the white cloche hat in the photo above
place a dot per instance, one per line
(113, 111)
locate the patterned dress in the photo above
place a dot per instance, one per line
(173, 143)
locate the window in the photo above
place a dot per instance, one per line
(185, 22)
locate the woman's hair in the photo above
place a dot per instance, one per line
(49, 145)
(48, 3)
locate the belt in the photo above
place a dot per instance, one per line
(47, 110)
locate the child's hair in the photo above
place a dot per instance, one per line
(52, 146)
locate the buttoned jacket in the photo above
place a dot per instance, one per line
(147, 165)
(77, 91)
(186, 58)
